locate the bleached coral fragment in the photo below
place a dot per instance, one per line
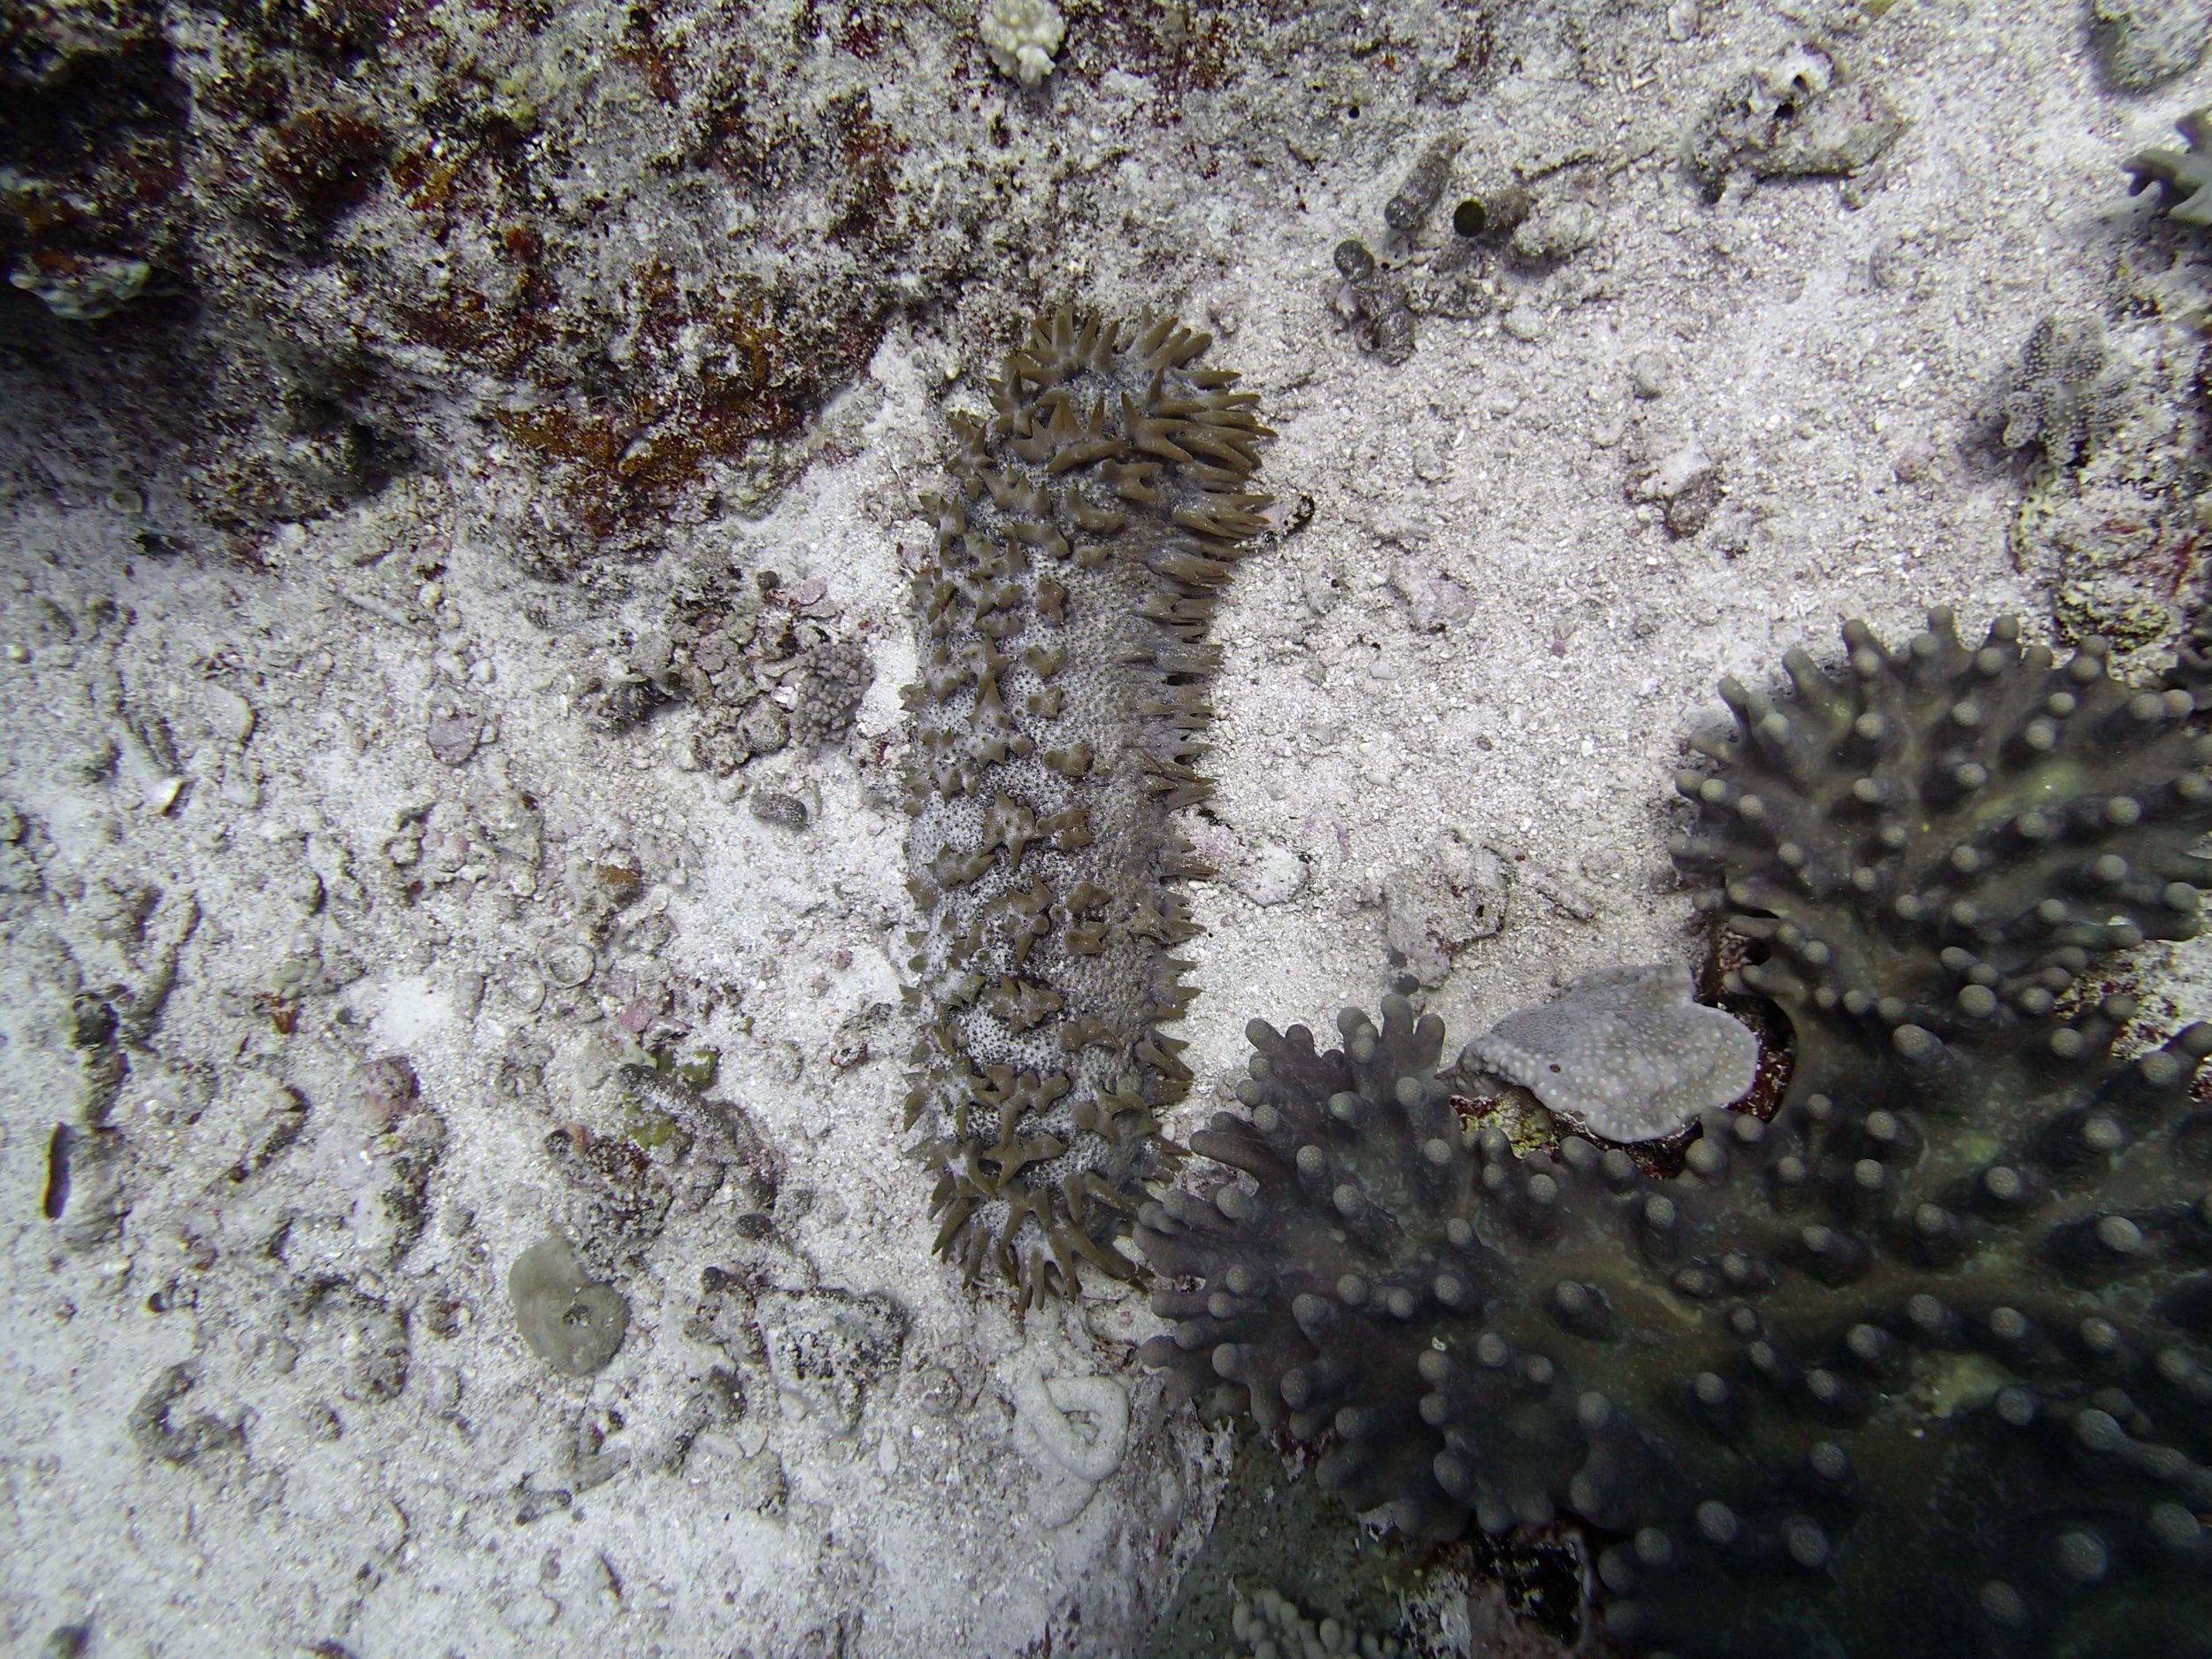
(1043, 1404)
(1075, 1430)
(1797, 117)
(1625, 1053)
(2183, 175)
(1022, 37)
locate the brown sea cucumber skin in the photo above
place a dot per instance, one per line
(1061, 695)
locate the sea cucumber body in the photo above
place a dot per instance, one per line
(1062, 689)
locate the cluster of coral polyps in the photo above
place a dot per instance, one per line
(1920, 1366)
(1931, 847)
(1062, 686)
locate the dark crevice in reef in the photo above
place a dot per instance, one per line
(1282, 1533)
(1918, 1368)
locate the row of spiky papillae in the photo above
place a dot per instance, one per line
(1061, 692)
(1927, 848)
(1919, 1373)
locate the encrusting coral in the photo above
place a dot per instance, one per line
(573, 1323)
(1918, 1368)
(1062, 689)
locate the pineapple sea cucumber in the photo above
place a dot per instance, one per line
(1089, 524)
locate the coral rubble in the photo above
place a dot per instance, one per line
(1063, 684)
(1799, 117)
(2180, 174)
(828, 697)
(1626, 1053)
(2107, 520)
(1919, 1367)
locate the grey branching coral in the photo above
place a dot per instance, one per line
(1919, 1368)
(2181, 176)
(1062, 686)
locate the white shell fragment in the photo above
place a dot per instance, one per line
(1624, 1052)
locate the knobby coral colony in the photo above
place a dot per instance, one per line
(1091, 522)
(1920, 1366)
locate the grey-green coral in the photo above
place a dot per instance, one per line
(1943, 838)
(1921, 1367)
(570, 1322)
(1270, 1625)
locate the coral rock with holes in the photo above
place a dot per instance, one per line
(1626, 1053)
(1920, 1368)
(1091, 521)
